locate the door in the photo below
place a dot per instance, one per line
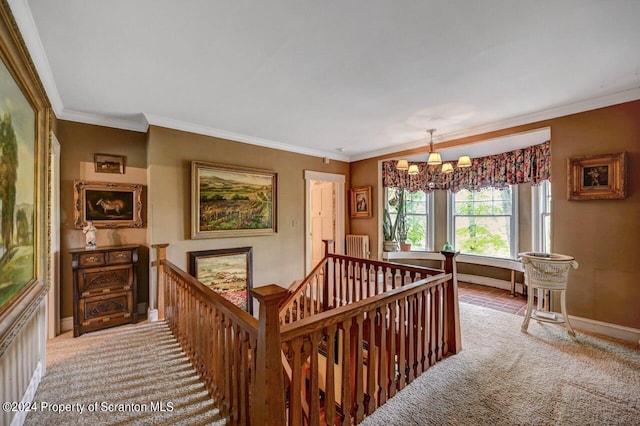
(322, 217)
(325, 220)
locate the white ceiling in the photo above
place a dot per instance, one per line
(342, 79)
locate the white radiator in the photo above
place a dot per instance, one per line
(358, 246)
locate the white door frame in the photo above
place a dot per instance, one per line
(53, 298)
(310, 175)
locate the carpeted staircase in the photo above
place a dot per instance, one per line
(129, 375)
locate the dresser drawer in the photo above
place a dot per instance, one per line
(91, 259)
(116, 257)
(92, 281)
(102, 311)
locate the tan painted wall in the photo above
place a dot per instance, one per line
(604, 236)
(278, 258)
(78, 143)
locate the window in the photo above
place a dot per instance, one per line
(484, 222)
(419, 211)
(541, 217)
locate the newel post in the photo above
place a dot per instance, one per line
(453, 321)
(268, 407)
(161, 255)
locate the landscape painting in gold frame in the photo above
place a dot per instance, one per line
(25, 118)
(231, 201)
(597, 177)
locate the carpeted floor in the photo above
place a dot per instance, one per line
(506, 377)
(129, 375)
(502, 377)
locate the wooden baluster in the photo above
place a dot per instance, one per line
(383, 370)
(295, 391)
(347, 358)
(440, 306)
(268, 406)
(402, 332)
(359, 369)
(393, 331)
(233, 373)
(314, 380)
(411, 325)
(422, 325)
(243, 379)
(330, 398)
(434, 321)
(326, 296)
(372, 365)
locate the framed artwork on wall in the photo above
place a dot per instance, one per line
(227, 272)
(107, 205)
(107, 163)
(24, 136)
(361, 202)
(597, 177)
(230, 201)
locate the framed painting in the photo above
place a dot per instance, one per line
(229, 201)
(597, 177)
(106, 163)
(24, 147)
(361, 202)
(227, 272)
(107, 205)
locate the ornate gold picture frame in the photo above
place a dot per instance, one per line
(25, 116)
(107, 205)
(231, 201)
(361, 202)
(597, 177)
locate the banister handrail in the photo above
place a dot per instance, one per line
(293, 293)
(337, 315)
(409, 268)
(248, 322)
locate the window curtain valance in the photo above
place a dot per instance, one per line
(527, 165)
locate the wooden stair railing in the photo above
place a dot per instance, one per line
(383, 343)
(338, 280)
(370, 345)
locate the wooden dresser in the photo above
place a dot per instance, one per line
(104, 287)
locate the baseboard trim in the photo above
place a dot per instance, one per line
(66, 324)
(490, 282)
(620, 332)
(27, 398)
(616, 331)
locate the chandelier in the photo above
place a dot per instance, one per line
(434, 159)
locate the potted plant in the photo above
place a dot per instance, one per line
(390, 229)
(402, 231)
(389, 233)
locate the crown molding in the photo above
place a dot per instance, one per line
(170, 123)
(24, 19)
(560, 111)
(136, 123)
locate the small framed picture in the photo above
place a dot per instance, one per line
(361, 202)
(107, 163)
(597, 177)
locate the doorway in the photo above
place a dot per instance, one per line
(324, 214)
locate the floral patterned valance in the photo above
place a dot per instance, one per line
(532, 164)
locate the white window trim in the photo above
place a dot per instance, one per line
(515, 241)
(431, 221)
(537, 204)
